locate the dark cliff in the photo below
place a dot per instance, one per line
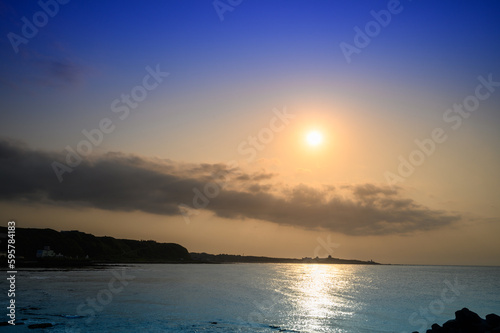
(76, 244)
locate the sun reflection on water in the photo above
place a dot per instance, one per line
(323, 293)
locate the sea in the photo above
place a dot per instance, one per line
(251, 297)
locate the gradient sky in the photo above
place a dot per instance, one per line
(217, 124)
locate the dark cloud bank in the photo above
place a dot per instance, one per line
(128, 183)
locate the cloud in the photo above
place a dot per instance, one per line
(65, 71)
(59, 72)
(256, 177)
(121, 182)
(53, 67)
(370, 190)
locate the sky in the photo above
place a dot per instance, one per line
(188, 122)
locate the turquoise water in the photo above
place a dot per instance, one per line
(254, 297)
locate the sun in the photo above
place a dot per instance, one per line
(314, 138)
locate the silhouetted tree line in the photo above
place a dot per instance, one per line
(76, 244)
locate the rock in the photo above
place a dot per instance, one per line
(450, 325)
(493, 320)
(466, 316)
(470, 321)
(436, 328)
(43, 325)
(467, 321)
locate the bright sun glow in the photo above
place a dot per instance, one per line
(314, 138)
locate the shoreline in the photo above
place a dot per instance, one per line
(103, 265)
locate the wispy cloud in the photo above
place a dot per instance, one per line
(65, 71)
(53, 67)
(123, 182)
(60, 73)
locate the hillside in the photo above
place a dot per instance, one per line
(47, 247)
(230, 258)
(71, 245)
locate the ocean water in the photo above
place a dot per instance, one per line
(253, 297)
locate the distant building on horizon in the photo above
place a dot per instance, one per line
(46, 252)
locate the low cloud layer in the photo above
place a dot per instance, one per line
(120, 182)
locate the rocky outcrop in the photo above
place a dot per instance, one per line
(467, 321)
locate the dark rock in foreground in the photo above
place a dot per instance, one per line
(467, 321)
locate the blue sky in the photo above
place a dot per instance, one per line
(226, 77)
(432, 49)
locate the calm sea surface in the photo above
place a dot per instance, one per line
(253, 297)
